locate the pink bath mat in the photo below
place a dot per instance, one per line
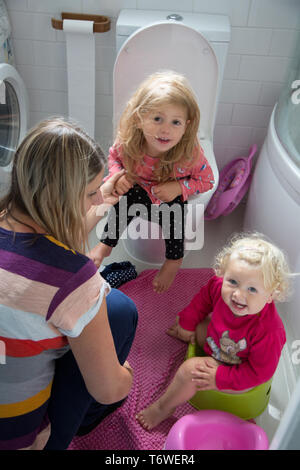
(154, 357)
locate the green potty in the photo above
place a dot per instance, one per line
(246, 405)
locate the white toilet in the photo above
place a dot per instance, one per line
(194, 45)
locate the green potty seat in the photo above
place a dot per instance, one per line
(246, 405)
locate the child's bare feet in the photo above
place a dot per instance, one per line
(166, 275)
(99, 252)
(152, 416)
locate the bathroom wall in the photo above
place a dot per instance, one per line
(264, 34)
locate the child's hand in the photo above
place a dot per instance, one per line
(166, 192)
(180, 333)
(123, 185)
(204, 375)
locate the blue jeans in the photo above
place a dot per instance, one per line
(71, 406)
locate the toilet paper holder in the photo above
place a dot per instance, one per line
(101, 23)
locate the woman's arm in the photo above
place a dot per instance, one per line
(110, 198)
(105, 378)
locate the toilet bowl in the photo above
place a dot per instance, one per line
(194, 45)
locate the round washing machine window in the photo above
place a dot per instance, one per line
(9, 122)
(13, 112)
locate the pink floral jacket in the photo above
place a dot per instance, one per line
(194, 179)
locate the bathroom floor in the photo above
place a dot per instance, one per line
(216, 233)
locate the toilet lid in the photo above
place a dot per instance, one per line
(168, 46)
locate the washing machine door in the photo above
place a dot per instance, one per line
(13, 112)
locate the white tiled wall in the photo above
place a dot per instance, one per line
(264, 35)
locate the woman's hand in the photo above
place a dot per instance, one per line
(123, 185)
(168, 191)
(108, 189)
(180, 333)
(110, 198)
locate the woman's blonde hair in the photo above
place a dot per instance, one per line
(257, 251)
(52, 167)
(159, 89)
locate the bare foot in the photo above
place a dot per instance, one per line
(152, 416)
(166, 275)
(99, 252)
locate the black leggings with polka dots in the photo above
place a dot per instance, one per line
(136, 202)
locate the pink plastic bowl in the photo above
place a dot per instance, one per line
(215, 430)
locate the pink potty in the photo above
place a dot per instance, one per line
(215, 430)
(234, 182)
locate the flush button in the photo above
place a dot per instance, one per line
(175, 16)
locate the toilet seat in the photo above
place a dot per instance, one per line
(204, 198)
(180, 48)
(168, 46)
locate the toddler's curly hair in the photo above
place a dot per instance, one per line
(257, 251)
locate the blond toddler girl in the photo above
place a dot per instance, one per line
(235, 321)
(157, 144)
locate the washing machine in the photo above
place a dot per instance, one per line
(13, 102)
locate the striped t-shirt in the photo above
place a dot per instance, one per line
(47, 292)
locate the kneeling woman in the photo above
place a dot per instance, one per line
(66, 333)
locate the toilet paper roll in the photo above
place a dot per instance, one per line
(80, 44)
